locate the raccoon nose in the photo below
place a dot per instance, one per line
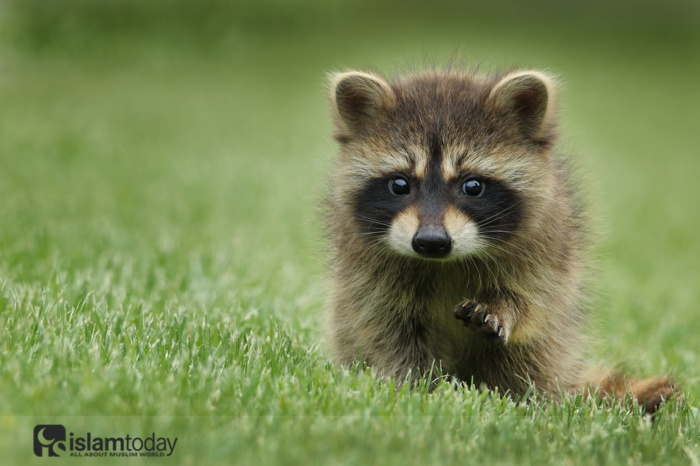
(432, 241)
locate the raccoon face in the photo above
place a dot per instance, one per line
(442, 167)
(435, 217)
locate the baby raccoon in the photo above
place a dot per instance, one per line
(457, 244)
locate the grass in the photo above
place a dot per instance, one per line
(161, 256)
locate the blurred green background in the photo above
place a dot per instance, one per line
(162, 161)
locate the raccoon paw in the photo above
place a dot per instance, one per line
(477, 317)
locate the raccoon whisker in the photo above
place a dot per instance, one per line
(520, 253)
(497, 216)
(509, 232)
(462, 265)
(500, 214)
(487, 233)
(372, 221)
(496, 238)
(374, 225)
(372, 233)
(525, 255)
(377, 224)
(375, 242)
(494, 277)
(495, 219)
(496, 263)
(365, 217)
(478, 271)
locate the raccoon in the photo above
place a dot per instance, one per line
(457, 242)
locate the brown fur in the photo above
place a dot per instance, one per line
(523, 291)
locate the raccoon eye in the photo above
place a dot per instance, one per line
(473, 188)
(399, 186)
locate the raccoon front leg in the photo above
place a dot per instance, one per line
(493, 320)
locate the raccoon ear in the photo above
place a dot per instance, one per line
(358, 98)
(527, 97)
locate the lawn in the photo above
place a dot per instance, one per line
(162, 259)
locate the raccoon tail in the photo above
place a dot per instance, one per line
(649, 393)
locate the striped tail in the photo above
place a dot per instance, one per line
(649, 393)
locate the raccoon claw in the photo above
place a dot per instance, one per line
(476, 317)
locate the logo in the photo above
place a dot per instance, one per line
(49, 438)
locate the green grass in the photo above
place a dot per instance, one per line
(161, 253)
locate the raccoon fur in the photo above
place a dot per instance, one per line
(457, 244)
